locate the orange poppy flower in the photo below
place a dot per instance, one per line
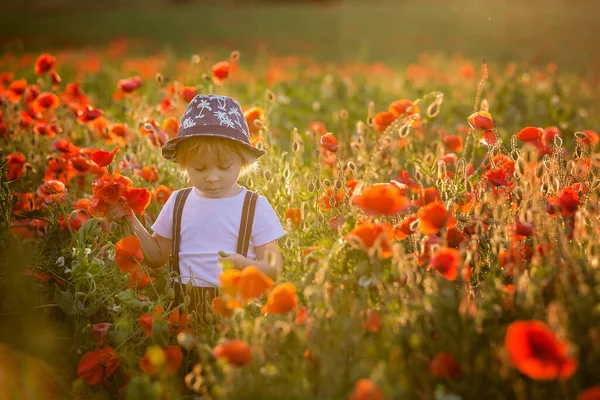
(16, 89)
(381, 199)
(128, 253)
(444, 365)
(235, 351)
(329, 143)
(164, 361)
(426, 196)
(161, 194)
(74, 94)
(110, 188)
(170, 126)
(52, 191)
(220, 307)
(139, 279)
(254, 114)
(146, 320)
(383, 120)
(317, 127)
(454, 143)
(536, 351)
(178, 323)
(149, 173)
(220, 72)
(365, 235)
(65, 146)
(365, 389)
(481, 121)
(446, 262)
(281, 300)
(230, 279)
(97, 366)
(372, 321)
(294, 215)
(403, 230)
(592, 393)
(403, 108)
(253, 283)
(44, 63)
(45, 101)
(432, 217)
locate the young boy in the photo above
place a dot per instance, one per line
(215, 214)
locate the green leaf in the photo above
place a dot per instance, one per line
(65, 301)
(90, 228)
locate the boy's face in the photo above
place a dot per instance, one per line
(214, 177)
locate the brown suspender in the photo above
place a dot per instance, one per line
(244, 234)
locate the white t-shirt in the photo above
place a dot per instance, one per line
(209, 225)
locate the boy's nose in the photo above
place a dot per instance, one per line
(211, 178)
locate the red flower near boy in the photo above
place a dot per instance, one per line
(128, 253)
(97, 366)
(536, 351)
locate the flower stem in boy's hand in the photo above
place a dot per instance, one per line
(223, 254)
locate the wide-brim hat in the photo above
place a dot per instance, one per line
(211, 115)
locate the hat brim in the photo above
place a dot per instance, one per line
(169, 149)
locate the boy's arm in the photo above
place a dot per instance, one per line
(268, 259)
(156, 248)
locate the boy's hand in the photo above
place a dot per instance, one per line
(120, 211)
(233, 260)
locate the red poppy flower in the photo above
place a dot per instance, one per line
(569, 201)
(146, 320)
(592, 393)
(139, 279)
(426, 196)
(110, 188)
(76, 220)
(591, 137)
(530, 134)
(52, 191)
(381, 199)
(294, 215)
(103, 158)
(44, 63)
(16, 89)
(88, 114)
(481, 121)
(446, 262)
(97, 366)
(488, 137)
(138, 199)
(164, 361)
(432, 217)
(220, 72)
(329, 143)
(372, 321)
(129, 85)
(16, 166)
(128, 253)
(281, 300)
(454, 143)
(365, 389)
(178, 323)
(536, 351)
(403, 230)
(45, 101)
(235, 351)
(444, 365)
(187, 93)
(170, 126)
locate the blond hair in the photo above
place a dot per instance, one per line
(218, 147)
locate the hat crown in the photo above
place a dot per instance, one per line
(214, 110)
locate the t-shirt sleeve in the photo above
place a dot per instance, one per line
(266, 226)
(164, 222)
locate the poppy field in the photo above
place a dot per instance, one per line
(442, 235)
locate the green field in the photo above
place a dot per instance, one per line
(389, 31)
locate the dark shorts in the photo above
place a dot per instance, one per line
(200, 299)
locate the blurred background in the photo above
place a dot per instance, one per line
(390, 31)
